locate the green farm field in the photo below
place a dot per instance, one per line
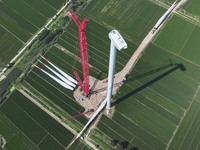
(159, 90)
(21, 19)
(78, 144)
(161, 87)
(182, 39)
(98, 49)
(133, 18)
(182, 47)
(55, 4)
(149, 106)
(51, 89)
(23, 122)
(171, 1)
(8, 50)
(157, 106)
(188, 133)
(193, 7)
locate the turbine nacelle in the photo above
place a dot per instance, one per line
(117, 40)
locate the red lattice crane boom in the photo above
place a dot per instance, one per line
(70, 118)
(84, 53)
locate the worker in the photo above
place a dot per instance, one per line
(122, 82)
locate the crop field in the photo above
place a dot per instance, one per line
(98, 46)
(182, 47)
(161, 87)
(6, 49)
(24, 121)
(188, 134)
(181, 37)
(193, 7)
(36, 12)
(51, 89)
(133, 18)
(98, 49)
(56, 4)
(157, 106)
(21, 19)
(79, 145)
(171, 1)
(150, 105)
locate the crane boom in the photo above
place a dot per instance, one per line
(84, 53)
(91, 110)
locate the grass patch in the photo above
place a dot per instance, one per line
(193, 7)
(134, 19)
(50, 143)
(20, 141)
(47, 122)
(7, 128)
(7, 50)
(14, 28)
(23, 121)
(189, 123)
(27, 12)
(175, 34)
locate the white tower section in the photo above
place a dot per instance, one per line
(117, 42)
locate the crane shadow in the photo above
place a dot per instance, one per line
(95, 83)
(178, 66)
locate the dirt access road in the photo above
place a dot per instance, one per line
(94, 101)
(138, 53)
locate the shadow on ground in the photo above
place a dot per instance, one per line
(177, 66)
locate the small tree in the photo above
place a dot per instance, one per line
(114, 142)
(43, 34)
(97, 145)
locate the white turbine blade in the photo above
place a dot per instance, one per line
(62, 72)
(60, 76)
(59, 81)
(56, 79)
(160, 21)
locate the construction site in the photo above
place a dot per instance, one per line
(105, 85)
